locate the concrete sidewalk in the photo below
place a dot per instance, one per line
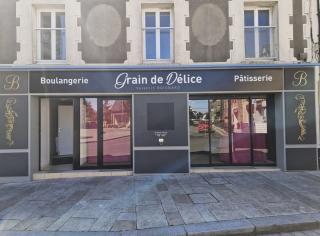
(246, 203)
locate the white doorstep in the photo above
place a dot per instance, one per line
(79, 174)
(231, 169)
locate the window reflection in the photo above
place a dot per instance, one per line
(51, 36)
(222, 131)
(259, 34)
(45, 44)
(88, 131)
(260, 131)
(157, 35)
(219, 131)
(199, 131)
(116, 132)
(240, 131)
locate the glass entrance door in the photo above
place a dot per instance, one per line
(105, 133)
(231, 131)
(262, 131)
(219, 131)
(240, 132)
(88, 132)
(116, 132)
(209, 131)
(199, 132)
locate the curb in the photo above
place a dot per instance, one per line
(257, 226)
(287, 223)
(253, 226)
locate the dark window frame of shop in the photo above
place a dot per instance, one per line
(76, 135)
(271, 133)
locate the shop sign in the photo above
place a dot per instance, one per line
(172, 79)
(300, 119)
(156, 81)
(10, 115)
(299, 79)
(13, 82)
(14, 122)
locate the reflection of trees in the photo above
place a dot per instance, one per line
(219, 114)
(107, 106)
(116, 113)
(192, 114)
(195, 114)
(91, 112)
(88, 113)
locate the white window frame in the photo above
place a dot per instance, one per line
(256, 32)
(53, 29)
(171, 28)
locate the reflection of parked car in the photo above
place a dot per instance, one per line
(203, 126)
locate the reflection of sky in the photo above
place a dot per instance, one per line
(199, 105)
(93, 103)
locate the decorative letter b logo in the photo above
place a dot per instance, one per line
(12, 82)
(300, 79)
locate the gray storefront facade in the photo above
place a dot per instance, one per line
(157, 119)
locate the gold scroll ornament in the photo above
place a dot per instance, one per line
(10, 115)
(301, 110)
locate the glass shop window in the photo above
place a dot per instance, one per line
(158, 35)
(260, 35)
(51, 35)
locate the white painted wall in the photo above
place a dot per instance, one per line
(236, 31)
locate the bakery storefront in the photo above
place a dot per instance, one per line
(157, 120)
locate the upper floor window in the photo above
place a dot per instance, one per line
(51, 35)
(259, 33)
(157, 35)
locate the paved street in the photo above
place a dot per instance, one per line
(143, 202)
